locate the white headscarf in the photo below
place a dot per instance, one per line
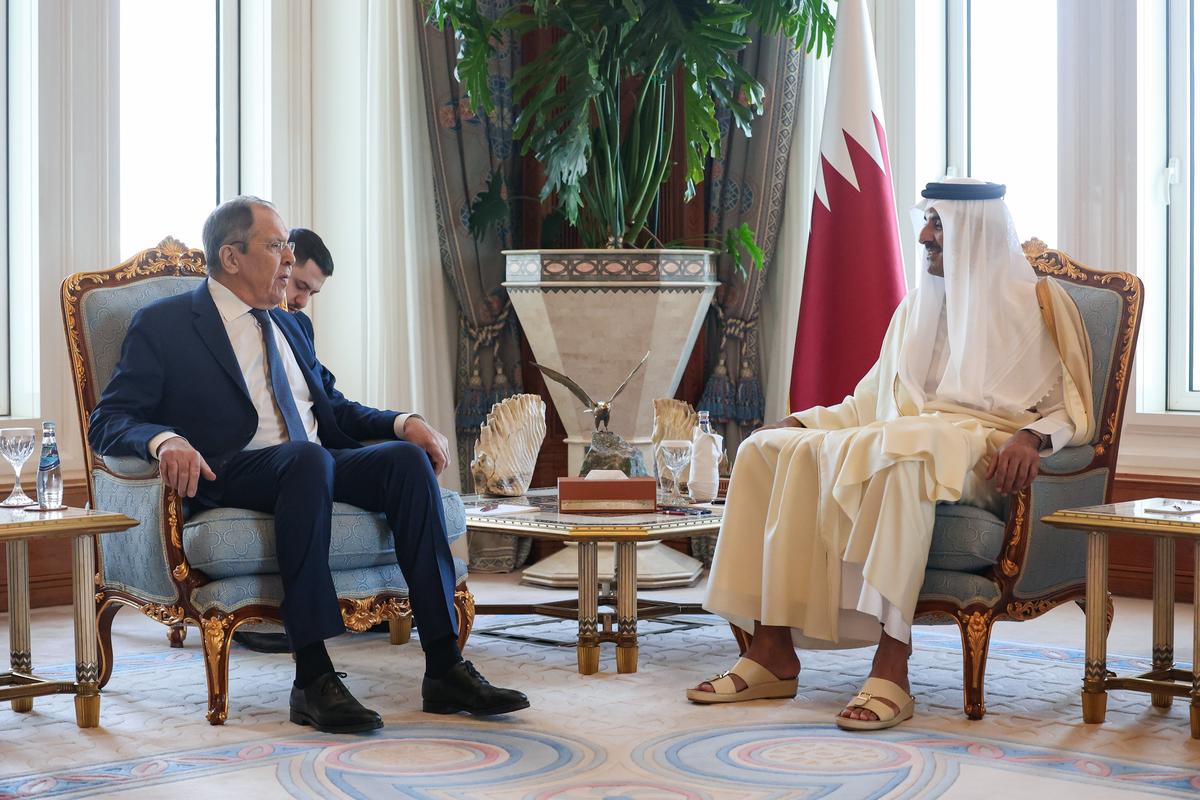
(1002, 358)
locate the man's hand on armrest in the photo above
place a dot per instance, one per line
(437, 446)
(1016, 462)
(786, 422)
(182, 466)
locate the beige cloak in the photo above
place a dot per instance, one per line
(827, 527)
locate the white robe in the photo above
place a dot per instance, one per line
(827, 528)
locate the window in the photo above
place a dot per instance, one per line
(170, 120)
(989, 136)
(1183, 290)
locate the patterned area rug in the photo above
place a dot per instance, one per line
(602, 736)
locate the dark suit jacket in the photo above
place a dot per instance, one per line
(178, 373)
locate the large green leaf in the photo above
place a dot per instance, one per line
(490, 208)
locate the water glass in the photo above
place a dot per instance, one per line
(16, 445)
(675, 455)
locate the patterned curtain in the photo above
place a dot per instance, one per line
(747, 185)
(469, 151)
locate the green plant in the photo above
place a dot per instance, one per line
(605, 165)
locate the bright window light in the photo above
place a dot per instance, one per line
(168, 172)
(1190, 282)
(1007, 144)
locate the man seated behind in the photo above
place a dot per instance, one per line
(224, 389)
(314, 263)
(830, 511)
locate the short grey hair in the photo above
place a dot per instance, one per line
(229, 222)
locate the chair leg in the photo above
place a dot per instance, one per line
(217, 630)
(104, 621)
(976, 630)
(176, 634)
(742, 638)
(400, 628)
(464, 607)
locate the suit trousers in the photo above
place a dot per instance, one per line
(298, 483)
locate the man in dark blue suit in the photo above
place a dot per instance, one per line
(224, 389)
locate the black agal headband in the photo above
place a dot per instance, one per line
(963, 191)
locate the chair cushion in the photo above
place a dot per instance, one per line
(965, 538)
(226, 542)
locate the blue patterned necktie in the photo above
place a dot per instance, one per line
(279, 382)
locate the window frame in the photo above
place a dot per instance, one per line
(5, 313)
(1179, 175)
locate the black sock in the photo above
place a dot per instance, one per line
(440, 656)
(312, 661)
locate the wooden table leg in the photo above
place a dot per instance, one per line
(587, 646)
(1095, 670)
(18, 616)
(1164, 613)
(87, 670)
(1194, 710)
(627, 647)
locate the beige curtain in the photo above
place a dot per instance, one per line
(383, 319)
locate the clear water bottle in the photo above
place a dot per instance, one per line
(49, 477)
(703, 422)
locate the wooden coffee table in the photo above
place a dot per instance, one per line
(1138, 518)
(17, 527)
(625, 531)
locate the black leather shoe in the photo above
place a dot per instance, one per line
(263, 642)
(327, 705)
(464, 689)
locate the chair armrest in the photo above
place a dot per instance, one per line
(130, 467)
(1067, 460)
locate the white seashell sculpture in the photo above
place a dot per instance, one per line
(508, 446)
(673, 419)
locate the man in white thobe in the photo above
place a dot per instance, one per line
(983, 370)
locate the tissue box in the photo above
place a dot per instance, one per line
(606, 496)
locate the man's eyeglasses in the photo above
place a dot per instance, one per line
(276, 246)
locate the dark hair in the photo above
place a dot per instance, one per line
(309, 245)
(229, 222)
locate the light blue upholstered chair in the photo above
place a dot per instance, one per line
(983, 568)
(217, 569)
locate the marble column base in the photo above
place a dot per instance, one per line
(658, 567)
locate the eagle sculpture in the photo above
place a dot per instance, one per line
(599, 409)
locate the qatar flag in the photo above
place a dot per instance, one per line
(854, 274)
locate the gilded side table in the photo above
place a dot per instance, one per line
(17, 527)
(626, 531)
(1165, 520)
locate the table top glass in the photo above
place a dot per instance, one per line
(547, 522)
(1155, 516)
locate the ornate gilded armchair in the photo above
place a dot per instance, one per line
(217, 569)
(981, 568)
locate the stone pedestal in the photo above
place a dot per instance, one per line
(592, 314)
(658, 567)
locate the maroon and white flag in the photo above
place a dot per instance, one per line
(854, 273)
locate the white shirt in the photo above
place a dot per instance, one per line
(245, 336)
(1055, 421)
